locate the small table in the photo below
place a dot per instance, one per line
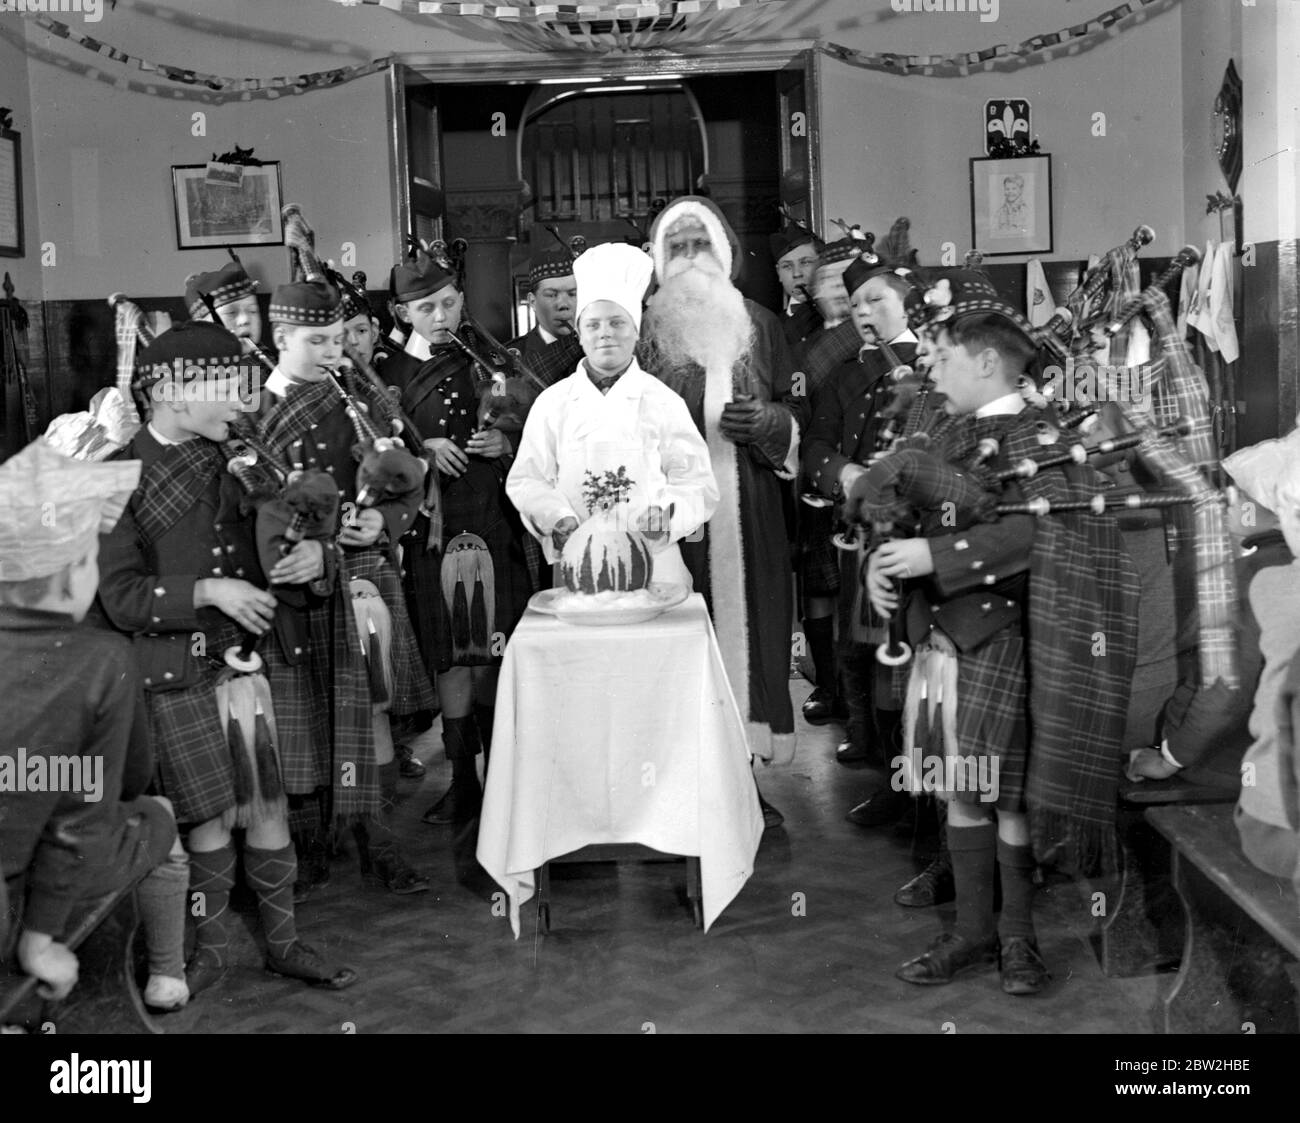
(618, 734)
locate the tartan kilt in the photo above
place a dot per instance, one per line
(819, 560)
(193, 759)
(993, 716)
(412, 690)
(466, 509)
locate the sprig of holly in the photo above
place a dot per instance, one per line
(606, 490)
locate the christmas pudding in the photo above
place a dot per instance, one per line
(605, 555)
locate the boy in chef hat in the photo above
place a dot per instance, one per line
(610, 415)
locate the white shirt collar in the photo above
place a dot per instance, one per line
(418, 347)
(1011, 403)
(157, 436)
(627, 381)
(904, 336)
(277, 383)
(547, 337)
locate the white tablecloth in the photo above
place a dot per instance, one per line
(625, 733)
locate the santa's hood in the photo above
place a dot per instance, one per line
(706, 210)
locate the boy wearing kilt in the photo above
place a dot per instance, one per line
(844, 437)
(1024, 631)
(467, 575)
(181, 574)
(308, 425)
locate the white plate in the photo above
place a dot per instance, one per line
(559, 602)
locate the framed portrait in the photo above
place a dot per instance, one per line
(218, 207)
(1011, 205)
(11, 194)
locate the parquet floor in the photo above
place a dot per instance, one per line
(623, 956)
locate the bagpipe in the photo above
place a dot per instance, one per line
(505, 383)
(286, 511)
(385, 468)
(389, 465)
(913, 490)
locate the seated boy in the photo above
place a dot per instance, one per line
(70, 694)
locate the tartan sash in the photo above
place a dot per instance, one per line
(304, 406)
(174, 483)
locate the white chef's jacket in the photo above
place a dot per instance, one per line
(640, 425)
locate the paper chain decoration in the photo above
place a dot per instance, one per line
(1070, 41)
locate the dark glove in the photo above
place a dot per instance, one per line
(763, 425)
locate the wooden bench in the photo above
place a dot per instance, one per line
(1141, 931)
(1242, 930)
(618, 852)
(106, 998)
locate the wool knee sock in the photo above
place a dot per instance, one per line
(1016, 865)
(161, 896)
(484, 715)
(270, 874)
(820, 634)
(973, 869)
(212, 876)
(380, 841)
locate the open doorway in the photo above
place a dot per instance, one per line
(511, 164)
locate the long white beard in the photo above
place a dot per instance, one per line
(700, 316)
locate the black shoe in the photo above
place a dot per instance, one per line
(881, 809)
(458, 805)
(821, 707)
(1023, 969)
(392, 873)
(851, 754)
(202, 971)
(771, 816)
(409, 766)
(304, 962)
(949, 956)
(932, 886)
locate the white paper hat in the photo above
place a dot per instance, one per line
(52, 507)
(616, 272)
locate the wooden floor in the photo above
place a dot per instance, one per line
(623, 956)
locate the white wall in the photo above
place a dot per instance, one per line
(118, 231)
(25, 271)
(901, 145)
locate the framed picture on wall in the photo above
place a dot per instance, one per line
(11, 195)
(212, 211)
(1011, 205)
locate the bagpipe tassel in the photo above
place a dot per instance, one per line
(235, 704)
(468, 565)
(376, 630)
(478, 625)
(264, 747)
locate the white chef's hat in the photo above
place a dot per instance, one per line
(613, 271)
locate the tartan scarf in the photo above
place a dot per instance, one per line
(832, 347)
(304, 406)
(557, 361)
(174, 483)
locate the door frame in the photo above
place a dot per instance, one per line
(435, 68)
